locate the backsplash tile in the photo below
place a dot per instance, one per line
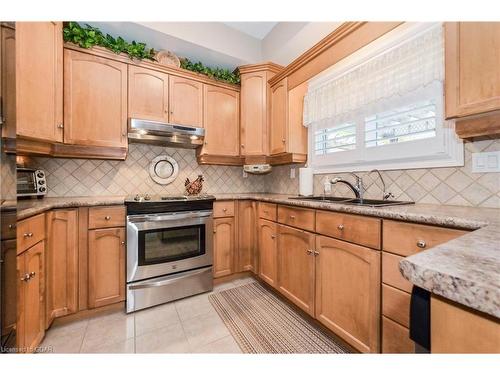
(455, 186)
(80, 177)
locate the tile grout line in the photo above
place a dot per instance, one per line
(84, 334)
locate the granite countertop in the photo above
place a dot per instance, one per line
(465, 270)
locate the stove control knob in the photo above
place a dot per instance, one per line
(137, 197)
(147, 197)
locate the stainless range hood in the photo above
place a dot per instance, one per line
(162, 133)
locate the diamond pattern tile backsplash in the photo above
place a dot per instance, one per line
(455, 186)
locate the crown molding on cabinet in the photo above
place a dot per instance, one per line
(268, 65)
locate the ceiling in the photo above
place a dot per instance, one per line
(257, 30)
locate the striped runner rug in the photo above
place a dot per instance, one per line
(261, 322)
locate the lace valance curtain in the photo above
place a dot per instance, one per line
(407, 67)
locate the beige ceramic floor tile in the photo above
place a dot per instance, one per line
(223, 286)
(243, 281)
(204, 329)
(225, 345)
(126, 346)
(155, 317)
(192, 307)
(65, 338)
(169, 339)
(108, 330)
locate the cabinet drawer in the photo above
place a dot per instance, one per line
(8, 225)
(353, 228)
(267, 211)
(396, 305)
(396, 338)
(390, 272)
(106, 217)
(224, 209)
(30, 231)
(407, 238)
(296, 217)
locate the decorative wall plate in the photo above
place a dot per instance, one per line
(163, 169)
(167, 58)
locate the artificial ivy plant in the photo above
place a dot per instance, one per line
(88, 36)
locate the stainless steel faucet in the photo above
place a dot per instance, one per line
(385, 195)
(358, 189)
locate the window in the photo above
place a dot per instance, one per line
(383, 107)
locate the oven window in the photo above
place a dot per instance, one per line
(26, 183)
(171, 244)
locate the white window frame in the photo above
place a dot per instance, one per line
(444, 150)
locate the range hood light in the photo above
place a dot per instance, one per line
(194, 137)
(142, 131)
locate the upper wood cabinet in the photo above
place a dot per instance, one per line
(223, 246)
(61, 263)
(348, 292)
(268, 252)
(95, 101)
(246, 236)
(8, 81)
(186, 101)
(221, 123)
(296, 266)
(147, 94)
(106, 265)
(31, 297)
(472, 82)
(39, 80)
(279, 117)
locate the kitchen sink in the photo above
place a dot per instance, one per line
(355, 201)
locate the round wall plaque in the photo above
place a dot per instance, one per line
(163, 169)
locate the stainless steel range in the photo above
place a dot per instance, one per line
(169, 248)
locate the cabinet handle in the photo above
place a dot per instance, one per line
(224, 209)
(215, 231)
(12, 226)
(309, 251)
(265, 211)
(292, 217)
(206, 143)
(421, 244)
(273, 236)
(316, 253)
(25, 278)
(60, 126)
(123, 242)
(340, 227)
(242, 146)
(283, 140)
(107, 217)
(32, 274)
(29, 234)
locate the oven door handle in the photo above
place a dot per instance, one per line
(169, 280)
(168, 217)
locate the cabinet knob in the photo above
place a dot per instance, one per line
(107, 217)
(292, 217)
(316, 253)
(283, 140)
(309, 251)
(60, 126)
(123, 242)
(12, 226)
(242, 146)
(421, 244)
(273, 236)
(206, 143)
(224, 209)
(25, 278)
(29, 234)
(215, 231)
(340, 227)
(32, 274)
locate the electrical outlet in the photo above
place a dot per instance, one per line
(292, 173)
(483, 162)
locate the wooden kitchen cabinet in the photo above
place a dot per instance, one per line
(247, 236)
(296, 266)
(39, 81)
(221, 123)
(61, 264)
(472, 74)
(224, 246)
(95, 101)
(186, 101)
(348, 291)
(147, 94)
(8, 284)
(106, 266)
(279, 117)
(31, 297)
(268, 252)
(8, 81)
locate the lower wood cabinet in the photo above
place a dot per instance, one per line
(246, 259)
(395, 338)
(348, 291)
(106, 266)
(296, 266)
(223, 246)
(268, 252)
(31, 297)
(61, 263)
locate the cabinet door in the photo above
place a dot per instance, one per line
(31, 303)
(268, 252)
(95, 100)
(39, 80)
(279, 117)
(106, 266)
(62, 263)
(348, 292)
(246, 236)
(186, 101)
(296, 267)
(223, 246)
(254, 114)
(221, 121)
(8, 81)
(472, 56)
(8, 285)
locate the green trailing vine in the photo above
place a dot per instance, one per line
(216, 73)
(88, 36)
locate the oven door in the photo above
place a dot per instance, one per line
(165, 243)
